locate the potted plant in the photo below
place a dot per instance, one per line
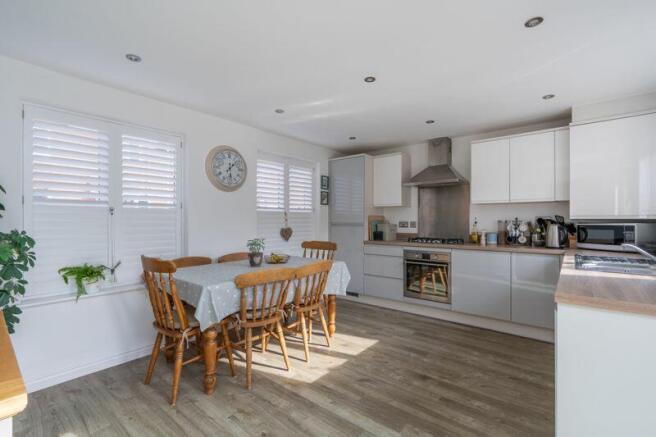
(85, 277)
(255, 251)
(16, 258)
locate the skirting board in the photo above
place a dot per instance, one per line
(86, 369)
(541, 334)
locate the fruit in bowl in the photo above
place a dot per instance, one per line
(277, 258)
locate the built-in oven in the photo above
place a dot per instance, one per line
(426, 275)
(611, 236)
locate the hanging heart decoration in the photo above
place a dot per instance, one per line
(286, 232)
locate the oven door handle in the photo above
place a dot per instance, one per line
(435, 264)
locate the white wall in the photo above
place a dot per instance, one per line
(461, 155)
(61, 340)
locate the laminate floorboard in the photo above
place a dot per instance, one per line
(388, 374)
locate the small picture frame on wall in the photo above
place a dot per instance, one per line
(324, 197)
(325, 183)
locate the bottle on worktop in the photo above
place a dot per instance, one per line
(474, 235)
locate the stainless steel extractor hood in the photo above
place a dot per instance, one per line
(439, 172)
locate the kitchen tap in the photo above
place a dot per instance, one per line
(639, 250)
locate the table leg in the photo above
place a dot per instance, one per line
(209, 352)
(332, 313)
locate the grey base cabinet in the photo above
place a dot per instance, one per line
(534, 281)
(383, 271)
(387, 288)
(480, 283)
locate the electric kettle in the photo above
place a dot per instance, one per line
(556, 236)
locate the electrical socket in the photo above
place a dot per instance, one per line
(403, 224)
(413, 224)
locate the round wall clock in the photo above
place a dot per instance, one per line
(225, 168)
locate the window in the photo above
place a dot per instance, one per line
(285, 197)
(97, 192)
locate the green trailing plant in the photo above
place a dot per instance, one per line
(84, 275)
(256, 245)
(16, 258)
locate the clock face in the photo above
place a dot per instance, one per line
(225, 168)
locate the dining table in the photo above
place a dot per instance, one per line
(211, 290)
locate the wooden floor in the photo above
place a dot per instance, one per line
(388, 373)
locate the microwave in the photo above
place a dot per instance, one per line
(611, 236)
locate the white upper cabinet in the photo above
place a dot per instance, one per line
(613, 168)
(532, 167)
(390, 172)
(562, 164)
(490, 171)
(532, 171)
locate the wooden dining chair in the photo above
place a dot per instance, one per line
(237, 256)
(319, 249)
(173, 320)
(191, 261)
(309, 285)
(263, 294)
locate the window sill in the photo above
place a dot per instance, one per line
(66, 297)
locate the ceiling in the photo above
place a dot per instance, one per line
(471, 66)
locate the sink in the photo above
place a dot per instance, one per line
(615, 264)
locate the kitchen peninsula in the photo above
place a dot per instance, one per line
(605, 355)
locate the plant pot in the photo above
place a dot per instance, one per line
(255, 259)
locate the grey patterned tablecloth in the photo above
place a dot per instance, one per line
(210, 288)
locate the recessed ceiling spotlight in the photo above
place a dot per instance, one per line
(548, 96)
(533, 22)
(279, 111)
(132, 57)
(370, 79)
(352, 138)
(430, 121)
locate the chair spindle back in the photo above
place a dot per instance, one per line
(263, 294)
(167, 307)
(311, 283)
(319, 249)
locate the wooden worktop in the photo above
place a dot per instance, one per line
(13, 397)
(610, 291)
(469, 246)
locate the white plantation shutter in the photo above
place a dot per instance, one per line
(301, 216)
(285, 187)
(148, 219)
(70, 164)
(270, 185)
(95, 192)
(300, 189)
(148, 171)
(67, 183)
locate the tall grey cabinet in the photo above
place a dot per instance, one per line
(351, 180)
